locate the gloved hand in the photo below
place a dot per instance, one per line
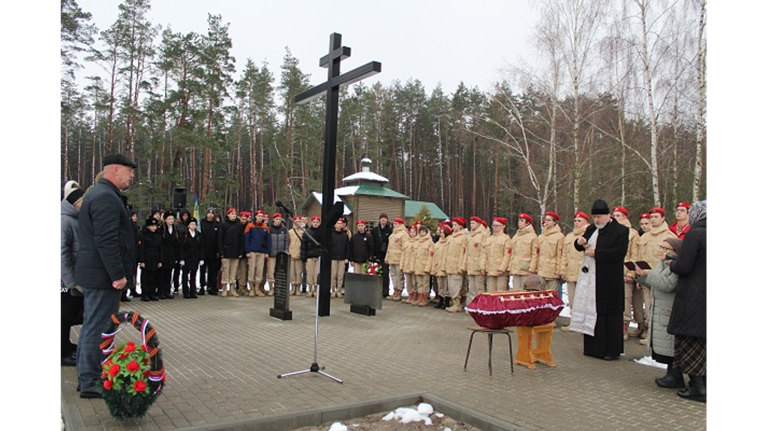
(181, 263)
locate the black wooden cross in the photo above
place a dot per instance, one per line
(332, 61)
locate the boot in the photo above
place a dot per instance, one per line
(440, 303)
(626, 326)
(309, 291)
(271, 289)
(637, 332)
(395, 295)
(224, 291)
(455, 307)
(233, 293)
(672, 380)
(643, 341)
(446, 301)
(644, 334)
(566, 328)
(696, 390)
(252, 292)
(258, 292)
(424, 300)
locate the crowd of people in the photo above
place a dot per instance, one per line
(463, 258)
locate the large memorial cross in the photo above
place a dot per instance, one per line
(332, 61)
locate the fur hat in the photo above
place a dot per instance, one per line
(600, 207)
(535, 282)
(676, 243)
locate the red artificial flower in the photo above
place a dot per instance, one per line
(144, 348)
(146, 373)
(130, 347)
(108, 384)
(133, 366)
(114, 369)
(139, 386)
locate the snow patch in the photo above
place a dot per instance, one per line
(406, 415)
(338, 426)
(425, 409)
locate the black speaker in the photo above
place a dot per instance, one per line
(179, 197)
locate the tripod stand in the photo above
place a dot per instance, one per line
(314, 368)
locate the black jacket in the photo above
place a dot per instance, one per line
(151, 249)
(361, 247)
(172, 243)
(339, 248)
(209, 231)
(192, 249)
(381, 240)
(231, 239)
(611, 248)
(107, 250)
(308, 248)
(689, 311)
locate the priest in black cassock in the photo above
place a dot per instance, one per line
(605, 245)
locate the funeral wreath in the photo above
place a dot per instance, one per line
(133, 375)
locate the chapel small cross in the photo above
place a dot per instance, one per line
(332, 61)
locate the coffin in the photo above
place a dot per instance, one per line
(502, 309)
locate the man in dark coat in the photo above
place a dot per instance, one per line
(360, 247)
(209, 271)
(105, 262)
(150, 259)
(608, 251)
(688, 321)
(381, 233)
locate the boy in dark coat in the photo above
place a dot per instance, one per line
(191, 256)
(150, 259)
(172, 239)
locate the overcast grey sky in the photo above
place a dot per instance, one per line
(434, 41)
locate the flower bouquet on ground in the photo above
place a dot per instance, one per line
(372, 268)
(133, 375)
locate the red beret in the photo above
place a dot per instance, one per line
(399, 220)
(245, 213)
(645, 215)
(297, 218)
(231, 210)
(276, 215)
(621, 210)
(657, 210)
(581, 214)
(360, 221)
(525, 217)
(683, 204)
(459, 220)
(419, 223)
(552, 214)
(260, 212)
(447, 228)
(476, 219)
(501, 220)
(315, 218)
(483, 223)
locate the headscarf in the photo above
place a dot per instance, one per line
(698, 212)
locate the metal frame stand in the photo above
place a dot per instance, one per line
(314, 368)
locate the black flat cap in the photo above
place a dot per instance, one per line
(118, 159)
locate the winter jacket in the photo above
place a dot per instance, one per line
(395, 247)
(151, 249)
(648, 244)
(497, 253)
(69, 245)
(294, 246)
(192, 249)
(258, 239)
(454, 252)
(550, 252)
(339, 247)
(209, 230)
(572, 258)
(279, 239)
(633, 251)
(422, 255)
(309, 250)
(438, 258)
(525, 258)
(662, 282)
(472, 262)
(689, 312)
(407, 261)
(361, 247)
(107, 250)
(381, 240)
(172, 245)
(231, 239)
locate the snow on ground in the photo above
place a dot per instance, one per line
(406, 415)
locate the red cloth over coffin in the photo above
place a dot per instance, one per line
(502, 309)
